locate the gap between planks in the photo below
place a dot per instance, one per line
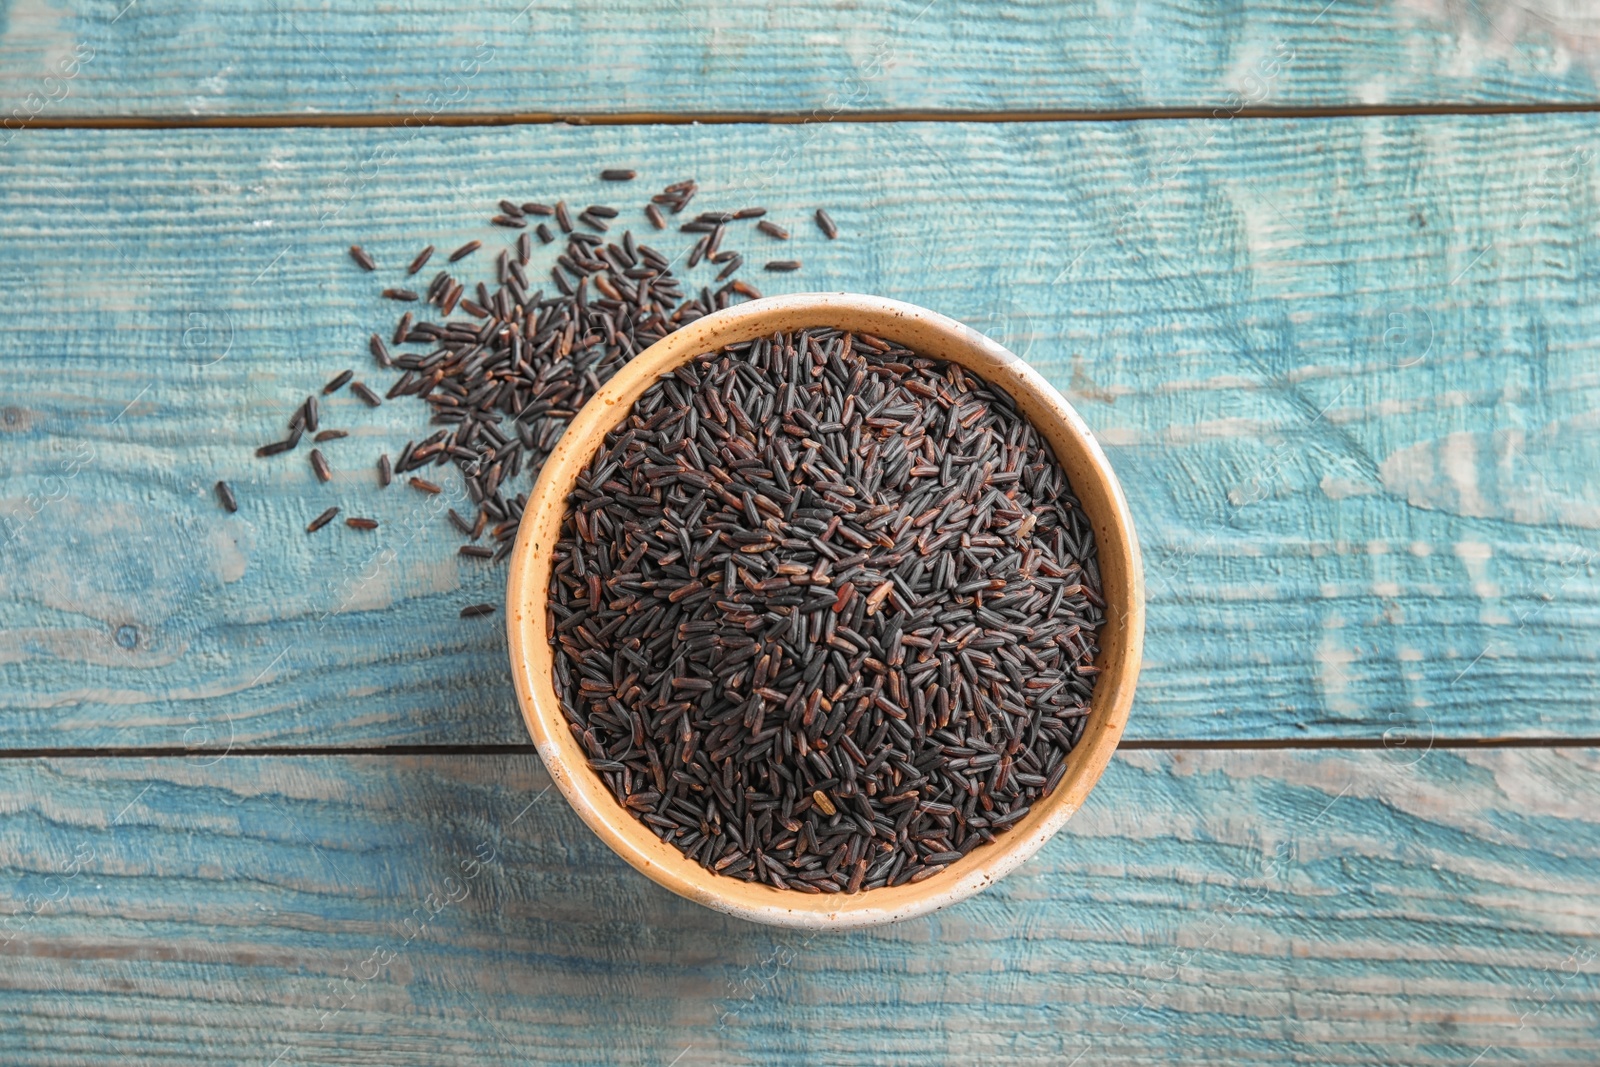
(1155, 745)
(382, 120)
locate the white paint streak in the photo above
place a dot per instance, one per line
(1336, 488)
(1219, 383)
(1475, 556)
(1507, 473)
(1333, 680)
(1459, 461)
(1119, 435)
(229, 562)
(1220, 430)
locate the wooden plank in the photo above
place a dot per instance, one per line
(427, 58)
(1230, 907)
(1345, 370)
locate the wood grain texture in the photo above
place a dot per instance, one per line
(428, 57)
(1344, 369)
(1218, 907)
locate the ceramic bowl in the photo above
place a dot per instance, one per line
(931, 334)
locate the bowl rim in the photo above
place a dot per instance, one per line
(938, 336)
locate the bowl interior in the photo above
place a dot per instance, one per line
(1121, 638)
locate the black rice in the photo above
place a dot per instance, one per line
(502, 380)
(276, 447)
(362, 524)
(772, 229)
(825, 612)
(826, 225)
(676, 196)
(226, 497)
(503, 383)
(359, 254)
(322, 520)
(783, 265)
(618, 175)
(472, 611)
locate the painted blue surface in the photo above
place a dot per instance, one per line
(1344, 369)
(431, 59)
(1218, 907)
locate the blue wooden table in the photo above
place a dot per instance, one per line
(1324, 279)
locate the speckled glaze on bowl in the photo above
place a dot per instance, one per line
(931, 334)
